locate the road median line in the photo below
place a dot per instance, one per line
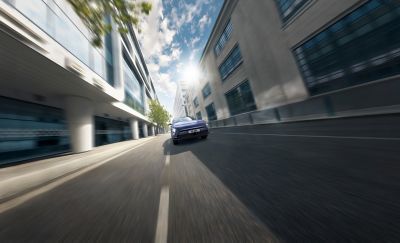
(162, 219)
(167, 159)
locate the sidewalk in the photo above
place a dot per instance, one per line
(18, 179)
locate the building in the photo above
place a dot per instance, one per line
(268, 61)
(59, 93)
(181, 100)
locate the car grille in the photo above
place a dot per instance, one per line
(185, 130)
(190, 128)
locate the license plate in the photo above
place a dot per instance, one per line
(194, 131)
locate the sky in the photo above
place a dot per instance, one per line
(173, 37)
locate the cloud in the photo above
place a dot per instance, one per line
(165, 59)
(187, 12)
(153, 67)
(176, 53)
(177, 20)
(204, 21)
(194, 54)
(156, 31)
(195, 41)
(164, 84)
(157, 38)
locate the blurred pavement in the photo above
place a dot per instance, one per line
(320, 181)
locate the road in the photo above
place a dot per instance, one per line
(321, 181)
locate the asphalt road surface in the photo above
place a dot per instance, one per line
(322, 181)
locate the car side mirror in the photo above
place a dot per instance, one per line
(169, 124)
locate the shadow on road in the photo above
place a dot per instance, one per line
(183, 146)
(309, 190)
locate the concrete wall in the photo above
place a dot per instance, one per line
(374, 98)
(268, 63)
(266, 45)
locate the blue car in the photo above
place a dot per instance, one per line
(186, 128)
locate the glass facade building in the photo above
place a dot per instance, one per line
(54, 19)
(29, 130)
(111, 131)
(60, 92)
(134, 96)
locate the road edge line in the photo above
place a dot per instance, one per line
(311, 136)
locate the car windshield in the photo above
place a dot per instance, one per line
(181, 119)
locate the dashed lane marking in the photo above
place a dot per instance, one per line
(167, 159)
(162, 220)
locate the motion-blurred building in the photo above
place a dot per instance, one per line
(269, 61)
(181, 100)
(57, 91)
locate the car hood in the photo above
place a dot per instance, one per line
(189, 124)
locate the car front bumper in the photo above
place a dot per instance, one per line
(181, 135)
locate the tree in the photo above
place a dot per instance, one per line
(123, 12)
(158, 114)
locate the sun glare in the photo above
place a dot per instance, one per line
(191, 73)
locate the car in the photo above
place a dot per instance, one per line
(185, 128)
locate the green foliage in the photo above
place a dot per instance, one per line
(158, 114)
(123, 12)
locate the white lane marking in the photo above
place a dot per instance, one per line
(25, 197)
(167, 159)
(310, 136)
(162, 220)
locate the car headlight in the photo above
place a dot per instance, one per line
(173, 130)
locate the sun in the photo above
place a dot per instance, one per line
(191, 74)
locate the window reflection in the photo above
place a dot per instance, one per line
(360, 47)
(133, 88)
(52, 19)
(29, 130)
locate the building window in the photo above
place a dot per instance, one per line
(29, 130)
(198, 116)
(206, 90)
(223, 39)
(196, 102)
(240, 99)
(57, 23)
(211, 114)
(109, 55)
(361, 47)
(111, 131)
(134, 96)
(233, 60)
(288, 8)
